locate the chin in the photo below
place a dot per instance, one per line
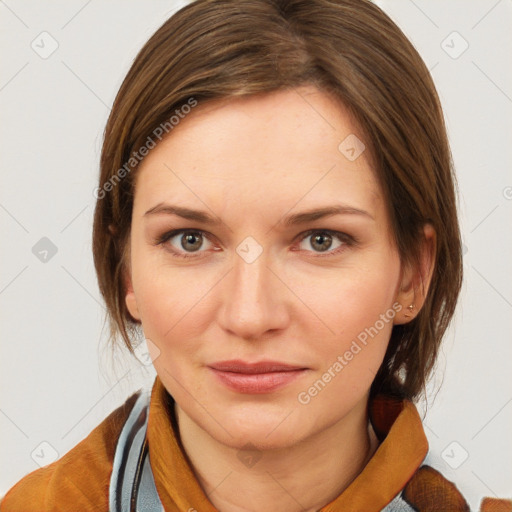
(259, 440)
(263, 432)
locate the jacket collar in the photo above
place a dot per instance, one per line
(403, 447)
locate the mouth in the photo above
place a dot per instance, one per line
(256, 378)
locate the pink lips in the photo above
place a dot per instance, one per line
(261, 377)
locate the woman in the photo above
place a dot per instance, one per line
(276, 215)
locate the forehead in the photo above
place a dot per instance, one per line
(281, 148)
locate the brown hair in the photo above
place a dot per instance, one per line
(213, 49)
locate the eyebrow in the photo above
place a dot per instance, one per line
(289, 220)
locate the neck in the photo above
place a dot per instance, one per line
(303, 477)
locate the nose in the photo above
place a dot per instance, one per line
(255, 300)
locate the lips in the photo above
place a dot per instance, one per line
(237, 366)
(259, 377)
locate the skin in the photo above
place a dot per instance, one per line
(250, 162)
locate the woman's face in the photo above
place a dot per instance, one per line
(255, 276)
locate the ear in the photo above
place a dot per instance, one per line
(129, 298)
(416, 278)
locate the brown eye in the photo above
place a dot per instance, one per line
(191, 240)
(321, 241)
(184, 243)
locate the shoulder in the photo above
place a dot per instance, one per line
(80, 479)
(429, 491)
(428, 488)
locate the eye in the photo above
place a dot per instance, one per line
(321, 241)
(183, 241)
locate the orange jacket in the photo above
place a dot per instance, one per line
(79, 481)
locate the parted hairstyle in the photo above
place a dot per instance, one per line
(218, 49)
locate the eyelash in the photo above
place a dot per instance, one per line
(347, 240)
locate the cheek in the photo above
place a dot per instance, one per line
(348, 360)
(163, 294)
(174, 310)
(355, 309)
(348, 300)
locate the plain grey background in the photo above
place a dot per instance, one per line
(61, 66)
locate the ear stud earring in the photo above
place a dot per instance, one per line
(410, 308)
